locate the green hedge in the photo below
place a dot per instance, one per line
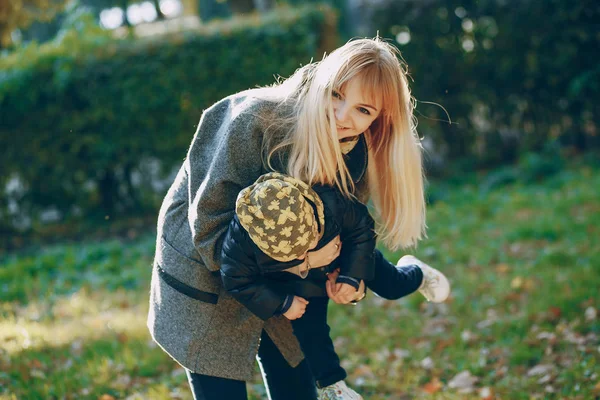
(84, 124)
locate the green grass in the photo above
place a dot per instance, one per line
(523, 261)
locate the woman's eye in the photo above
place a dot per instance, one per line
(364, 110)
(336, 95)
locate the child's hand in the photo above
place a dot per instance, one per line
(345, 292)
(297, 308)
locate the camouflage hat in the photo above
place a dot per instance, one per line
(276, 212)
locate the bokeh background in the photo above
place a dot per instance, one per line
(99, 100)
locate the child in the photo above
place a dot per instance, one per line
(265, 264)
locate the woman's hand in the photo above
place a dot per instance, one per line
(297, 308)
(325, 255)
(346, 295)
(345, 292)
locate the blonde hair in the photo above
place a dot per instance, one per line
(395, 172)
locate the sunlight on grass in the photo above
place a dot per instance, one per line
(75, 318)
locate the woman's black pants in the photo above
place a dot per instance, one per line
(281, 380)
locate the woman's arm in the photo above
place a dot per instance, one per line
(224, 157)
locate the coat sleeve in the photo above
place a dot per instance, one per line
(242, 278)
(356, 259)
(224, 157)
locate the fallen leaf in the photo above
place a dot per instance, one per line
(502, 268)
(551, 337)
(463, 381)
(529, 285)
(36, 373)
(590, 314)
(401, 353)
(486, 393)
(468, 336)
(122, 382)
(442, 344)
(106, 397)
(433, 386)
(513, 296)
(516, 283)
(555, 312)
(427, 363)
(363, 372)
(540, 369)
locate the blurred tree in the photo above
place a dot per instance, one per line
(513, 74)
(211, 9)
(42, 31)
(241, 6)
(15, 14)
(264, 5)
(247, 6)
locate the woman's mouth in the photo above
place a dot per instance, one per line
(341, 128)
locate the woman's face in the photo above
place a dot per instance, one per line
(353, 112)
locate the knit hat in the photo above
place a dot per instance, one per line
(277, 213)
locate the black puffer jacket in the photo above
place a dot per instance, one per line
(258, 281)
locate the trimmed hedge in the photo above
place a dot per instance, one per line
(83, 131)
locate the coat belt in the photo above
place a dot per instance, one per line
(187, 289)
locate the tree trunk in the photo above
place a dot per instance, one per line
(124, 4)
(159, 13)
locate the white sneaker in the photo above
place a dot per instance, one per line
(435, 286)
(338, 391)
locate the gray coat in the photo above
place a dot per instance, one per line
(200, 325)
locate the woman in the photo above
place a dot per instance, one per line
(321, 126)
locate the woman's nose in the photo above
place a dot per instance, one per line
(340, 112)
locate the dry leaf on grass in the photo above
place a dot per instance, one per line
(463, 382)
(486, 393)
(590, 314)
(427, 363)
(502, 268)
(540, 369)
(433, 386)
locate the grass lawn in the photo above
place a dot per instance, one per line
(523, 321)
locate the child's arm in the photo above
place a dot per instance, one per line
(242, 278)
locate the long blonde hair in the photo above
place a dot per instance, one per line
(313, 152)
